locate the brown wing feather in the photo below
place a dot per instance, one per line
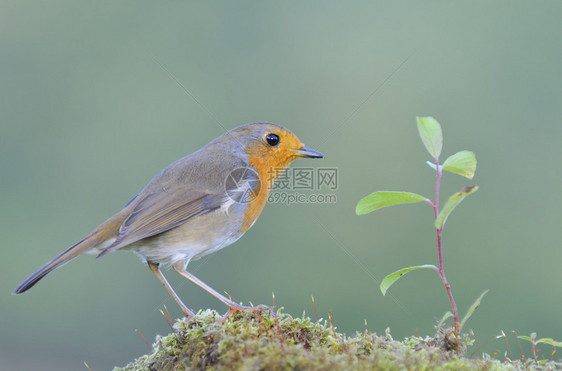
(161, 211)
(177, 194)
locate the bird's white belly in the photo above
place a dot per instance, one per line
(190, 241)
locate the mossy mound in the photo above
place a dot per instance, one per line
(265, 341)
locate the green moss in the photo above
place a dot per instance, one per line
(264, 341)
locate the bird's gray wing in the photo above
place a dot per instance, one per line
(162, 210)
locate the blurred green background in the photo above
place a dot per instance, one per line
(89, 114)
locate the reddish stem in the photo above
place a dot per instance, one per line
(441, 270)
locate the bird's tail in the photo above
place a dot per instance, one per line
(59, 260)
(92, 243)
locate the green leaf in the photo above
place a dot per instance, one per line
(393, 277)
(382, 199)
(526, 338)
(550, 341)
(451, 203)
(462, 163)
(445, 317)
(472, 308)
(431, 135)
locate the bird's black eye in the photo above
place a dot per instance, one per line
(272, 139)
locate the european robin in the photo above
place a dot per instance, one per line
(195, 206)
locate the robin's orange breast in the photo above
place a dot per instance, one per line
(269, 163)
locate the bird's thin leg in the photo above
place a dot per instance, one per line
(179, 267)
(156, 270)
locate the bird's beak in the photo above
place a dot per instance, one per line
(307, 152)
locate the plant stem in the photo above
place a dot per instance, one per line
(440, 252)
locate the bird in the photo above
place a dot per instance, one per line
(195, 206)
